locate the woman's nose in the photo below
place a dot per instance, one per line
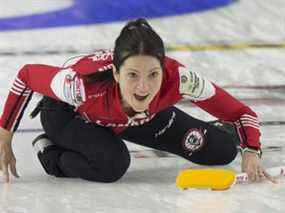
(143, 85)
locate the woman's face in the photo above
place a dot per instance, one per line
(139, 78)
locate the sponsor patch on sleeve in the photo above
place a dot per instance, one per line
(68, 87)
(193, 86)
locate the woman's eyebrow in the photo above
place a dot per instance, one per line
(135, 70)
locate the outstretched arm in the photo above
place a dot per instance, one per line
(30, 78)
(57, 83)
(50, 81)
(222, 105)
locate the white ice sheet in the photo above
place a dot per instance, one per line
(149, 185)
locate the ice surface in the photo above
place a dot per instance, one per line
(149, 185)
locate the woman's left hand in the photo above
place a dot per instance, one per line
(251, 164)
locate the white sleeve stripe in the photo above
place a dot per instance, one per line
(20, 82)
(19, 85)
(20, 111)
(249, 120)
(246, 121)
(243, 123)
(257, 125)
(20, 89)
(248, 124)
(19, 93)
(17, 88)
(249, 116)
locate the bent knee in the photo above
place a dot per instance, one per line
(111, 172)
(218, 157)
(228, 157)
(107, 170)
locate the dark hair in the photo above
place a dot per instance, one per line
(136, 38)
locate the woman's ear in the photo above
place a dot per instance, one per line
(115, 73)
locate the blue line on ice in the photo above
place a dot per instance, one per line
(90, 12)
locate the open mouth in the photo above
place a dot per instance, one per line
(141, 98)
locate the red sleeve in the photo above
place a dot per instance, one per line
(225, 107)
(66, 85)
(218, 103)
(31, 78)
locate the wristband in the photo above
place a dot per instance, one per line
(256, 151)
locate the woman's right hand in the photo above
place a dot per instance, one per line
(7, 157)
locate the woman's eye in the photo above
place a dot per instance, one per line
(132, 75)
(154, 74)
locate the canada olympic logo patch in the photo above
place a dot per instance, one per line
(194, 140)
